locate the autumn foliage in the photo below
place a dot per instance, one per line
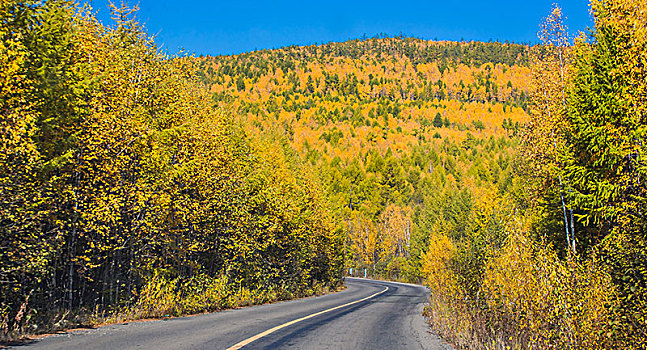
(507, 178)
(504, 177)
(393, 126)
(569, 271)
(126, 193)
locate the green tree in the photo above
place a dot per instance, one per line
(240, 83)
(438, 120)
(607, 140)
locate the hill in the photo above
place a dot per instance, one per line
(393, 126)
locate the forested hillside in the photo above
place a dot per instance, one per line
(126, 193)
(403, 132)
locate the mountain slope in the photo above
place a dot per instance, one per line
(396, 128)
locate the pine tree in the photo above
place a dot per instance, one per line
(607, 170)
(438, 120)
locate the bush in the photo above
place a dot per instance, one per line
(498, 288)
(537, 300)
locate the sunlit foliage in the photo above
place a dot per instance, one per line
(126, 193)
(391, 125)
(565, 268)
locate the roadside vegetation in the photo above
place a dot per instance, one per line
(562, 264)
(126, 193)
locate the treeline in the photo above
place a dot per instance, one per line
(125, 192)
(393, 68)
(560, 263)
(473, 53)
(418, 51)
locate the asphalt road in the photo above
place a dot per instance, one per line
(367, 315)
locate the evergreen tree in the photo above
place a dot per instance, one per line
(438, 120)
(608, 116)
(240, 83)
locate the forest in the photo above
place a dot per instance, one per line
(395, 127)
(125, 192)
(507, 178)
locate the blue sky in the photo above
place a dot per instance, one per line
(230, 27)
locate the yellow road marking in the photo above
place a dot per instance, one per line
(272, 330)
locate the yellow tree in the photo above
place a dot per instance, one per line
(396, 227)
(23, 254)
(544, 140)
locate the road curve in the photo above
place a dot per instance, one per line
(366, 315)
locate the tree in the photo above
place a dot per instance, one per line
(310, 85)
(240, 83)
(438, 120)
(478, 125)
(545, 146)
(608, 117)
(609, 120)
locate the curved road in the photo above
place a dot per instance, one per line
(367, 315)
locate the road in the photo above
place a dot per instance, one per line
(368, 314)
